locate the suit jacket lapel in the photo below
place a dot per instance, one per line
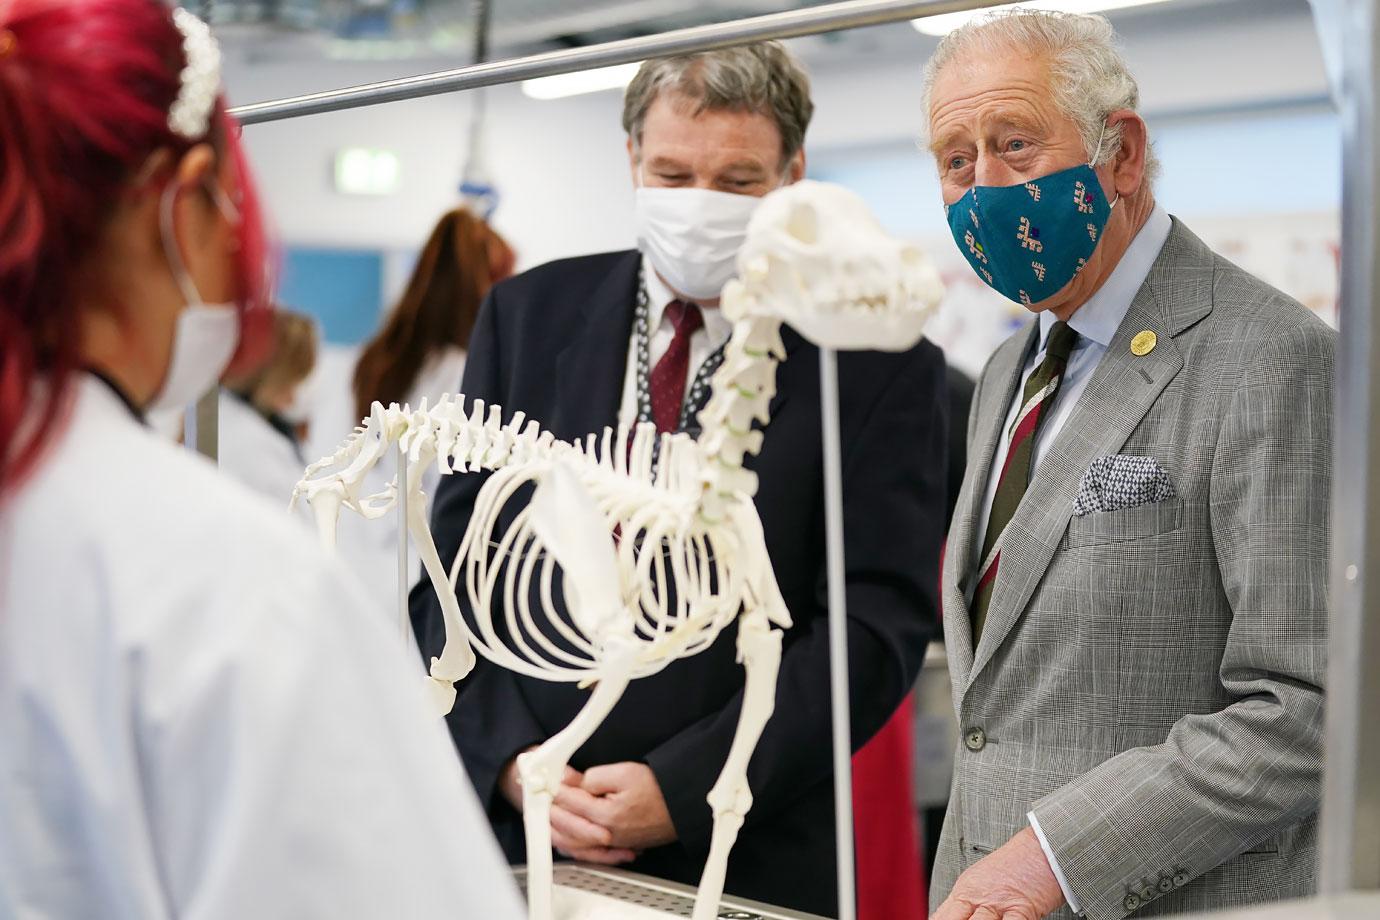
(1176, 294)
(592, 367)
(793, 342)
(790, 365)
(1004, 376)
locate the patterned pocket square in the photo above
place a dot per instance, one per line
(1115, 483)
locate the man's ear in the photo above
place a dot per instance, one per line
(632, 163)
(795, 171)
(1128, 166)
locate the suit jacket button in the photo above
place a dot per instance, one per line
(1180, 879)
(1148, 893)
(1131, 903)
(975, 739)
(1166, 884)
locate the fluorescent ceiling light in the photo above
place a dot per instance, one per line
(945, 23)
(584, 81)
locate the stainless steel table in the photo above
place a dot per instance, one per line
(585, 892)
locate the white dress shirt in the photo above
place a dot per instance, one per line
(1096, 323)
(660, 331)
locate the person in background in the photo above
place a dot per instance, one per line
(420, 350)
(419, 353)
(258, 444)
(197, 718)
(578, 344)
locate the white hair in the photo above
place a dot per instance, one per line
(1088, 75)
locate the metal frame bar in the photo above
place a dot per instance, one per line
(834, 17)
(1350, 831)
(1350, 828)
(404, 532)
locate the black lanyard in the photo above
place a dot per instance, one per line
(121, 395)
(697, 394)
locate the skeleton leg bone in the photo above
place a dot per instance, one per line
(325, 507)
(457, 657)
(759, 647)
(542, 769)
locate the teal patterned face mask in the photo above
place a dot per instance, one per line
(1028, 241)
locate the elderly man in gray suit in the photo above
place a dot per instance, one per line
(1135, 590)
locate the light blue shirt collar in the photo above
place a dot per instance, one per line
(1098, 318)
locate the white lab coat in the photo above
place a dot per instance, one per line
(197, 718)
(254, 452)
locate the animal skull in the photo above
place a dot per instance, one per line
(816, 258)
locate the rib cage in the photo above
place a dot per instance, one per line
(662, 542)
(682, 556)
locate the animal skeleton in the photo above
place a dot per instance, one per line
(657, 557)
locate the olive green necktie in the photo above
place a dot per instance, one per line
(1039, 394)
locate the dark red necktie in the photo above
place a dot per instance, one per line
(667, 380)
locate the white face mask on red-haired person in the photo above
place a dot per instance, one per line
(206, 335)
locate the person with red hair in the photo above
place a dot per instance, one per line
(200, 718)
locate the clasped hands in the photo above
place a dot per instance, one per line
(607, 814)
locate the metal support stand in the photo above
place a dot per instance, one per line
(838, 632)
(1350, 829)
(404, 573)
(201, 429)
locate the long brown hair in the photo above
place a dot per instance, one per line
(461, 261)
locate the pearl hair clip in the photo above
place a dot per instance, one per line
(190, 115)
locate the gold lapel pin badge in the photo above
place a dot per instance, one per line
(1143, 343)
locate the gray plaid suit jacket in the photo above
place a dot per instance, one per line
(1149, 681)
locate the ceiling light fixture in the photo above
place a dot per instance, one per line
(945, 23)
(585, 81)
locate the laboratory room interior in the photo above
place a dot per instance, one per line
(645, 458)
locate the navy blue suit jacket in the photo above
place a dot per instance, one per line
(553, 343)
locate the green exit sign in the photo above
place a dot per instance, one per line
(364, 171)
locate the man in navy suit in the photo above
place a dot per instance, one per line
(584, 343)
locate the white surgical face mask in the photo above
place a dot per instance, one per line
(206, 335)
(692, 236)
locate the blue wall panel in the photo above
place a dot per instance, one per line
(342, 288)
